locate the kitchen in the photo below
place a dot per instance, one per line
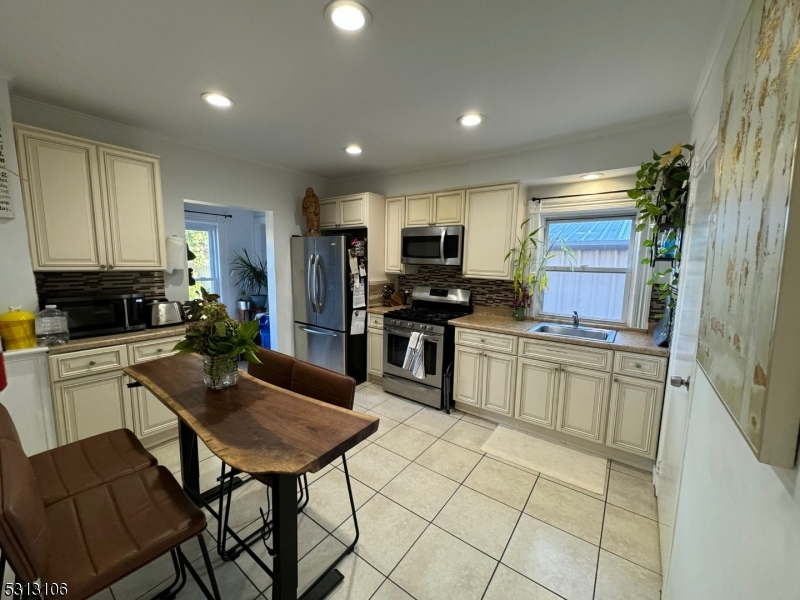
(541, 436)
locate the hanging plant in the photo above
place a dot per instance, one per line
(661, 193)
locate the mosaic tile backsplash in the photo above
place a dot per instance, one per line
(49, 284)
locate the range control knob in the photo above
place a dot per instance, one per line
(409, 324)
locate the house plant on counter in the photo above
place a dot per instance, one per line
(251, 277)
(220, 340)
(528, 263)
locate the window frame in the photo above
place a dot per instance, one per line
(627, 270)
(636, 308)
(215, 238)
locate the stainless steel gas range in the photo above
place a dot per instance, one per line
(428, 315)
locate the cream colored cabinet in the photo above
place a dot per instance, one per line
(440, 208)
(582, 402)
(499, 379)
(537, 392)
(63, 203)
(352, 211)
(375, 353)
(467, 375)
(90, 405)
(419, 210)
(329, 214)
(395, 215)
(131, 184)
(634, 415)
(90, 207)
(448, 208)
(492, 215)
(485, 379)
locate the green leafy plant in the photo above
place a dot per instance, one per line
(193, 309)
(216, 335)
(529, 264)
(661, 193)
(251, 275)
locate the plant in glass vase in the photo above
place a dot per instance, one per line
(528, 261)
(220, 340)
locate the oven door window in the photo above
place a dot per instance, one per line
(396, 354)
(90, 316)
(422, 246)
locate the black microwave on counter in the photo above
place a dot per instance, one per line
(100, 314)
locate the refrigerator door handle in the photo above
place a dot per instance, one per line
(317, 283)
(309, 277)
(315, 332)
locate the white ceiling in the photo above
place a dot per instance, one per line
(538, 70)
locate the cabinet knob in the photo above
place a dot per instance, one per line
(110, 267)
(483, 339)
(616, 379)
(103, 267)
(92, 363)
(638, 365)
(160, 350)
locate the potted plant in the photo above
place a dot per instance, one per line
(251, 277)
(528, 264)
(661, 193)
(220, 340)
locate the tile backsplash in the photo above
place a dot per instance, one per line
(52, 283)
(485, 292)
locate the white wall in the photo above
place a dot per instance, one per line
(603, 152)
(192, 173)
(737, 529)
(17, 285)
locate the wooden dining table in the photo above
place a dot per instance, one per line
(273, 434)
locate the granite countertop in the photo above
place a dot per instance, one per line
(120, 338)
(382, 310)
(627, 340)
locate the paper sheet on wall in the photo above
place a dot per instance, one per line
(359, 297)
(6, 140)
(358, 323)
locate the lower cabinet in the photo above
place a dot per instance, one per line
(151, 417)
(485, 379)
(91, 405)
(537, 392)
(374, 352)
(582, 401)
(634, 415)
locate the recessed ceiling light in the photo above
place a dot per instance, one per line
(353, 149)
(470, 120)
(347, 15)
(591, 176)
(217, 100)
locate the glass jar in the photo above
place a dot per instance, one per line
(220, 372)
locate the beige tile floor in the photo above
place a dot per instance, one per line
(441, 520)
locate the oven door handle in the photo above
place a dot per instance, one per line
(441, 244)
(125, 310)
(407, 334)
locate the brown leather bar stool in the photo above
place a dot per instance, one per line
(87, 541)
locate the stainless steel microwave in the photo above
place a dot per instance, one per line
(432, 245)
(100, 314)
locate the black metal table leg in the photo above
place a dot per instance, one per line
(190, 467)
(284, 522)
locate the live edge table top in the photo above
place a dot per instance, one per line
(253, 426)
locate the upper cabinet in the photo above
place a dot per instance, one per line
(441, 208)
(395, 210)
(89, 206)
(356, 210)
(492, 215)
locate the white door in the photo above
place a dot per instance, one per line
(418, 210)
(394, 226)
(353, 211)
(499, 379)
(632, 415)
(582, 400)
(448, 208)
(92, 405)
(61, 185)
(677, 400)
(490, 231)
(328, 214)
(537, 392)
(135, 218)
(467, 375)
(375, 352)
(151, 416)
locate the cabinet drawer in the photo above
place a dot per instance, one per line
(144, 351)
(374, 321)
(638, 365)
(567, 354)
(488, 341)
(87, 362)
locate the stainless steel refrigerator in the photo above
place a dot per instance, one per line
(323, 304)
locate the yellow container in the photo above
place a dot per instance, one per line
(17, 329)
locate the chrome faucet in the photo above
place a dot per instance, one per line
(576, 322)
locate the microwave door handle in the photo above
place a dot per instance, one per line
(441, 244)
(125, 310)
(309, 277)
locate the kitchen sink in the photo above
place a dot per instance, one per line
(586, 333)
